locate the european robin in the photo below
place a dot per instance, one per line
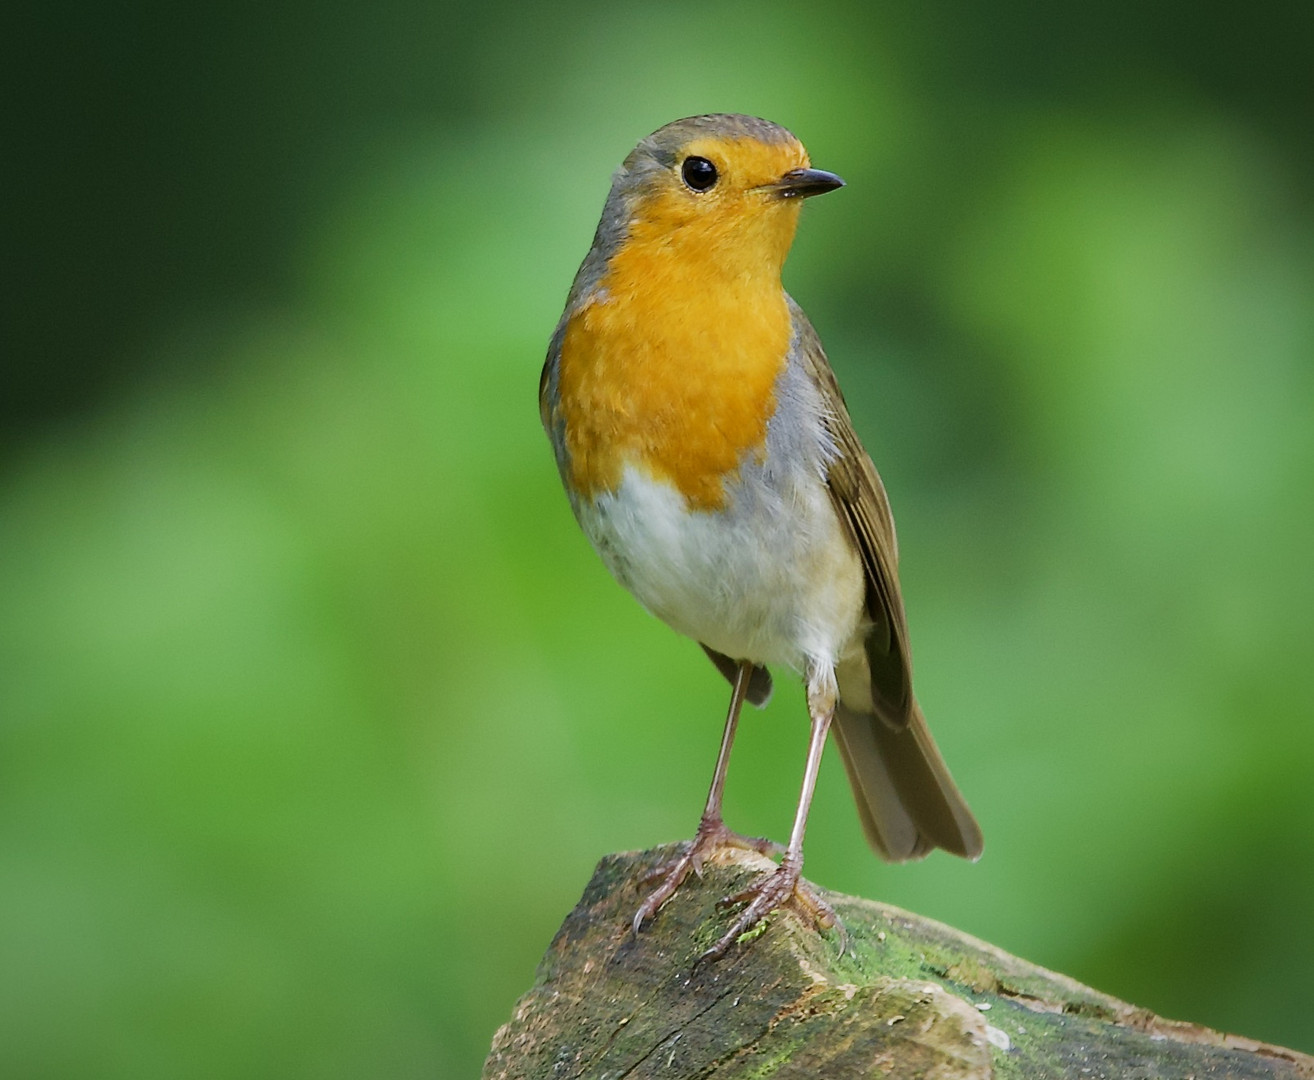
(709, 457)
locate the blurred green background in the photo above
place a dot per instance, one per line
(316, 710)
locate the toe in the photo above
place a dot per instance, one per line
(781, 888)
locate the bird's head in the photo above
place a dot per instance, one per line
(720, 192)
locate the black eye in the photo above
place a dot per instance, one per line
(698, 173)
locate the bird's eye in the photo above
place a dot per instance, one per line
(698, 173)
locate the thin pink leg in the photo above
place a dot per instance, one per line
(712, 833)
(782, 887)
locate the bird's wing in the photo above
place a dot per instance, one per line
(759, 683)
(859, 499)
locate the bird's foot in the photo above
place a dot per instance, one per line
(778, 888)
(712, 836)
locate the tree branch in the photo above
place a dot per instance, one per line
(910, 998)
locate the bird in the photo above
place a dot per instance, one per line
(709, 457)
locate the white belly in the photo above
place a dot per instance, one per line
(771, 578)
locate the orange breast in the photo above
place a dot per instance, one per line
(672, 373)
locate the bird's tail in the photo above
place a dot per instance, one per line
(906, 798)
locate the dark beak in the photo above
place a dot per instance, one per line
(800, 183)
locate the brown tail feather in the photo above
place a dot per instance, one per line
(908, 802)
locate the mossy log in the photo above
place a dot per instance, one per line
(908, 997)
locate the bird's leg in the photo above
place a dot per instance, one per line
(712, 833)
(782, 886)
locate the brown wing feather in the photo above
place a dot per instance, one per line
(759, 683)
(907, 801)
(859, 498)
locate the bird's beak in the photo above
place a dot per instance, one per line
(800, 183)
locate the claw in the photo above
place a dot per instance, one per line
(781, 888)
(711, 837)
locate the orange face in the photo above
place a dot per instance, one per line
(671, 366)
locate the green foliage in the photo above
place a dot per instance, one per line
(317, 710)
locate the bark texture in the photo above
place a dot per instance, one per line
(909, 997)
